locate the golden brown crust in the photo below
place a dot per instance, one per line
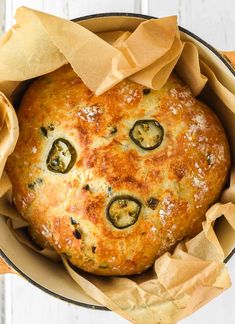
(185, 174)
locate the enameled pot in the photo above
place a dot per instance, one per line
(50, 276)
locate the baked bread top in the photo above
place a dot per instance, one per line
(114, 181)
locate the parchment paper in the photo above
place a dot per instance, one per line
(194, 273)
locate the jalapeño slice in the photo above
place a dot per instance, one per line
(61, 157)
(147, 134)
(123, 211)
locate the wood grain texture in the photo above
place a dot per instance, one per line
(2, 16)
(209, 19)
(72, 8)
(31, 305)
(212, 20)
(2, 310)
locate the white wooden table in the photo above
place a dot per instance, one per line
(214, 21)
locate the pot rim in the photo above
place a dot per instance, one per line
(100, 15)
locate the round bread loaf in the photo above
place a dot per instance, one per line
(114, 181)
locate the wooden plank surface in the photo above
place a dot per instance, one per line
(214, 21)
(2, 16)
(2, 304)
(72, 8)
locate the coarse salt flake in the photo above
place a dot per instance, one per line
(34, 150)
(89, 113)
